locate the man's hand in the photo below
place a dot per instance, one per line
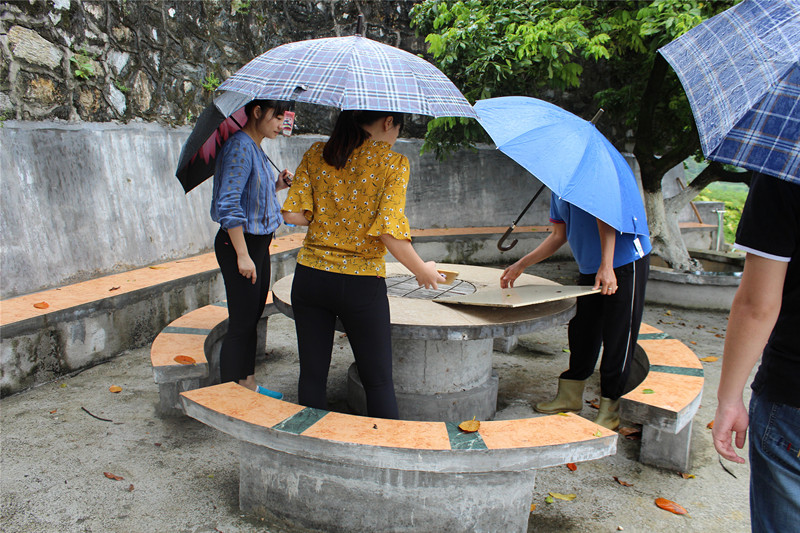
(731, 417)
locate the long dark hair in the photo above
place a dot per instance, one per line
(279, 106)
(348, 134)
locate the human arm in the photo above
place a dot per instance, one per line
(605, 279)
(554, 241)
(296, 219)
(247, 267)
(754, 312)
(425, 272)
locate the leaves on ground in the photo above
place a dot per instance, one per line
(684, 475)
(109, 475)
(130, 488)
(113, 288)
(115, 388)
(623, 483)
(158, 267)
(185, 360)
(593, 403)
(572, 466)
(549, 499)
(598, 433)
(648, 391)
(41, 305)
(709, 359)
(669, 505)
(469, 426)
(533, 507)
(710, 425)
(630, 433)
(565, 497)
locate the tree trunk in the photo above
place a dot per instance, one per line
(665, 235)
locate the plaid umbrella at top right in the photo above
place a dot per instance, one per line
(741, 73)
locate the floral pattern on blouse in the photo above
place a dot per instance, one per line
(349, 209)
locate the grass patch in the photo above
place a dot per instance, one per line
(732, 195)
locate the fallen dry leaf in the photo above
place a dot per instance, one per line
(115, 388)
(709, 359)
(572, 466)
(469, 426)
(623, 483)
(109, 475)
(41, 305)
(670, 506)
(185, 360)
(533, 507)
(693, 342)
(113, 288)
(720, 335)
(130, 488)
(158, 267)
(668, 312)
(53, 411)
(565, 497)
(684, 475)
(710, 425)
(593, 404)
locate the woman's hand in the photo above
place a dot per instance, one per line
(429, 277)
(510, 274)
(246, 267)
(284, 180)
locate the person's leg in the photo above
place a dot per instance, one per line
(238, 346)
(258, 249)
(365, 315)
(315, 323)
(774, 435)
(621, 318)
(584, 334)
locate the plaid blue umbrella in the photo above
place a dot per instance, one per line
(350, 73)
(569, 155)
(741, 73)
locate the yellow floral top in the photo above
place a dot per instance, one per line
(349, 209)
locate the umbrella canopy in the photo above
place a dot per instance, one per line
(741, 73)
(198, 155)
(350, 73)
(569, 155)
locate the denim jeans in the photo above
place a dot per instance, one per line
(774, 466)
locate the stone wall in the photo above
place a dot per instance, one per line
(157, 60)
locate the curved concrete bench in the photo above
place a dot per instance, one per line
(198, 335)
(666, 401)
(341, 472)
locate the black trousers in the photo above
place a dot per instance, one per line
(361, 303)
(246, 302)
(611, 321)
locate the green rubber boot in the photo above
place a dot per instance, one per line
(608, 417)
(569, 398)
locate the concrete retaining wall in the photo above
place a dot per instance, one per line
(80, 201)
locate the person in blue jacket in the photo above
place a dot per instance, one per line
(616, 263)
(248, 212)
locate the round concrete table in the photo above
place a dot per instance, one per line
(442, 353)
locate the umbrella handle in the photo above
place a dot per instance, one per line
(503, 239)
(514, 224)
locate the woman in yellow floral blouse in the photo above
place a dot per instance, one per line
(351, 193)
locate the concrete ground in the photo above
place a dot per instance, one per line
(181, 476)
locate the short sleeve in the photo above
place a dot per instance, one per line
(770, 224)
(300, 198)
(555, 216)
(391, 218)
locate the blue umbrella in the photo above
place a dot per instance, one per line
(569, 155)
(350, 73)
(741, 73)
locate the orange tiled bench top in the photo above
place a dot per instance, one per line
(240, 404)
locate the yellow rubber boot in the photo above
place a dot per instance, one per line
(568, 399)
(608, 417)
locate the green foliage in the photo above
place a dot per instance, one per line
(240, 7)
(211, 82)
(523, 47)
(733, 195)
(121, 86)
(83, 65)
